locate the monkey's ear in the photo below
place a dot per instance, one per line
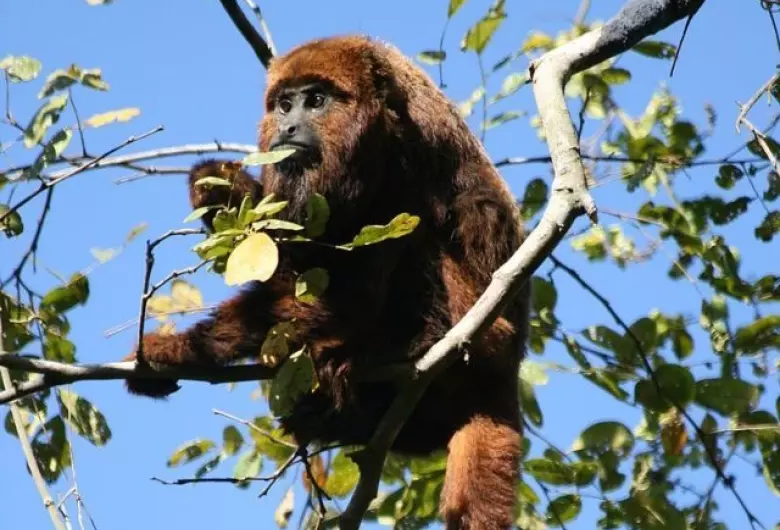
(242, 183)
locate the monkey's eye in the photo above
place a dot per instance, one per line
(285, 105)
(317, 100)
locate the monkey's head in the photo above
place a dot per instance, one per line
(337, 103)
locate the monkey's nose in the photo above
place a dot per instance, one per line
(288, 130)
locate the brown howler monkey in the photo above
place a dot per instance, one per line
(376, 137)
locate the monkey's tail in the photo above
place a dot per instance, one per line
(479, 486)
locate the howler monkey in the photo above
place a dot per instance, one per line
(375, 136)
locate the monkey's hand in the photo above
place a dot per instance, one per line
(157, 350)
(202, 195)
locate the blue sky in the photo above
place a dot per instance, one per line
(187, 68)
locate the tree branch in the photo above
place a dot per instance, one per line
(128, 160)
(569, 199)
(56, 373)
(21, 432)
(258, 44)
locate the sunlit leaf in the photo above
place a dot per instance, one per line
(726, 396)
(190, 451)
(121, 115)
(285, 509)
(603, 436)
(83, 417)
(66, 297)
(401, 225)
(432, 56)
(311, 284)
(46, 116)
(271, 157)
(479, 35)
(317, 215)
(294, 379)
(20, 69)
(254, 259)
(563, 509)
(343, 476)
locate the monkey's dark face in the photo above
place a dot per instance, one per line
(296, 111)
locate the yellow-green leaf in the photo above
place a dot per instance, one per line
(121, 115)
(46, 116)
(254, 259)
(294, 379)
(270, 157)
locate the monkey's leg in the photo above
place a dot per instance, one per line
(482, 470)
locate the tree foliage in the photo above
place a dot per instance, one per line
(702, 386)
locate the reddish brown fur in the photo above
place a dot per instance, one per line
(391, 143)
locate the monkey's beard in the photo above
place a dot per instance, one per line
(294, 180)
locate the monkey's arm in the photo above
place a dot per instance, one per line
(237, 329)
(242, 184)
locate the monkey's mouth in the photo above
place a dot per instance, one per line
(304, 157)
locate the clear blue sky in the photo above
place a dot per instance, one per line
(186, 67)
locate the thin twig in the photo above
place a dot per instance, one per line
(258, 44)
(744, 109)
(752, 519)
(24, 442)
(73, 172)
(149, 292)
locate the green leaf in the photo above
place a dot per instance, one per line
(343, 476)
(726, 396)
(677, 386)
(276, 224)
(231, 440)
(401, 225)
(59, 80)
(769, 226)
(83, 417)
(247, 466)
(756, 336)
(46, 116)
(190, 451)
(311, 284)
(512, 83)
(94, 79)
(59, 349)
(432, 56)
(66, 297)
(655, 49)
(12, 224)
(210, 182)
(728, 175)
(20, 69)
(295, 378)
(254, 259)
(533, 373)
(479, 35)
(501, 118)
(537, 40)
(267, 208)
(534, 198)
(616, 76)
(549, 471)
(530, 406)
(454, 6)
(563, 509)
(271, 157)
(198, 213)
(605, 436)
(317, 215)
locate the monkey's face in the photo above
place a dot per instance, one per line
(296, 111)
(326, 127)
